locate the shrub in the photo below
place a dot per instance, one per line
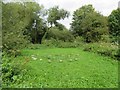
(9, 70)
(36, 46)
(61, 44)
(79, 39)
(105, 38)
(50, 43)
(12, 71)
(107, 49)
(13, 42)
(57, 34)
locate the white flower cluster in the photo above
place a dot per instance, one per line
(33, 57)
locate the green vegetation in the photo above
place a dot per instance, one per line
(114, 24)
(55, 14)
(89, 24)
(66, 67)
(40, 52)
(55, 33)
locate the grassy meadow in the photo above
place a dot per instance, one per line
(66, 68)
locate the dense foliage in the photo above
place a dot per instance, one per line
(36, 30)
(114, 23)
(55, 14)
(57, 34)
(78, 17)
(89, 24)
(12, 26)
(16, 17)
(114, 27)
(37, 25)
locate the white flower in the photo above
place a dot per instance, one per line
(40, 59)
(70, 60)
(34, 58)
(67, 75)
(45, 74)
(76, 59)
(61, 60)
(49, 61)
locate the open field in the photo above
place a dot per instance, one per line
(68, 68)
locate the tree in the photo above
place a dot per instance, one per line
(37, 30)
(114, 27)
(18, 19)
(89, 24)
(114, 24)
(93, 27)
(78, 17)
(13, 24)
(55, 14)
(37, 26)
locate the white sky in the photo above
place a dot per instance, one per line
(103, 6)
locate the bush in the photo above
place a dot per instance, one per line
(9, 70)
(50, 43)
(77, 42)
(107, 49)
(118, 55)
(105, 38)
(36, 46)
(63, 35)
(79, 39)
(12, 43)
(12, 71)
(61, 44)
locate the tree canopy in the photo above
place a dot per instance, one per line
(89, 24)
(79, 15)
(17, 17)
(114, 23)
(55, 14)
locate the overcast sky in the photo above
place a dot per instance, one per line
(103, 6)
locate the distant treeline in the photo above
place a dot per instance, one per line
(29, 22)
